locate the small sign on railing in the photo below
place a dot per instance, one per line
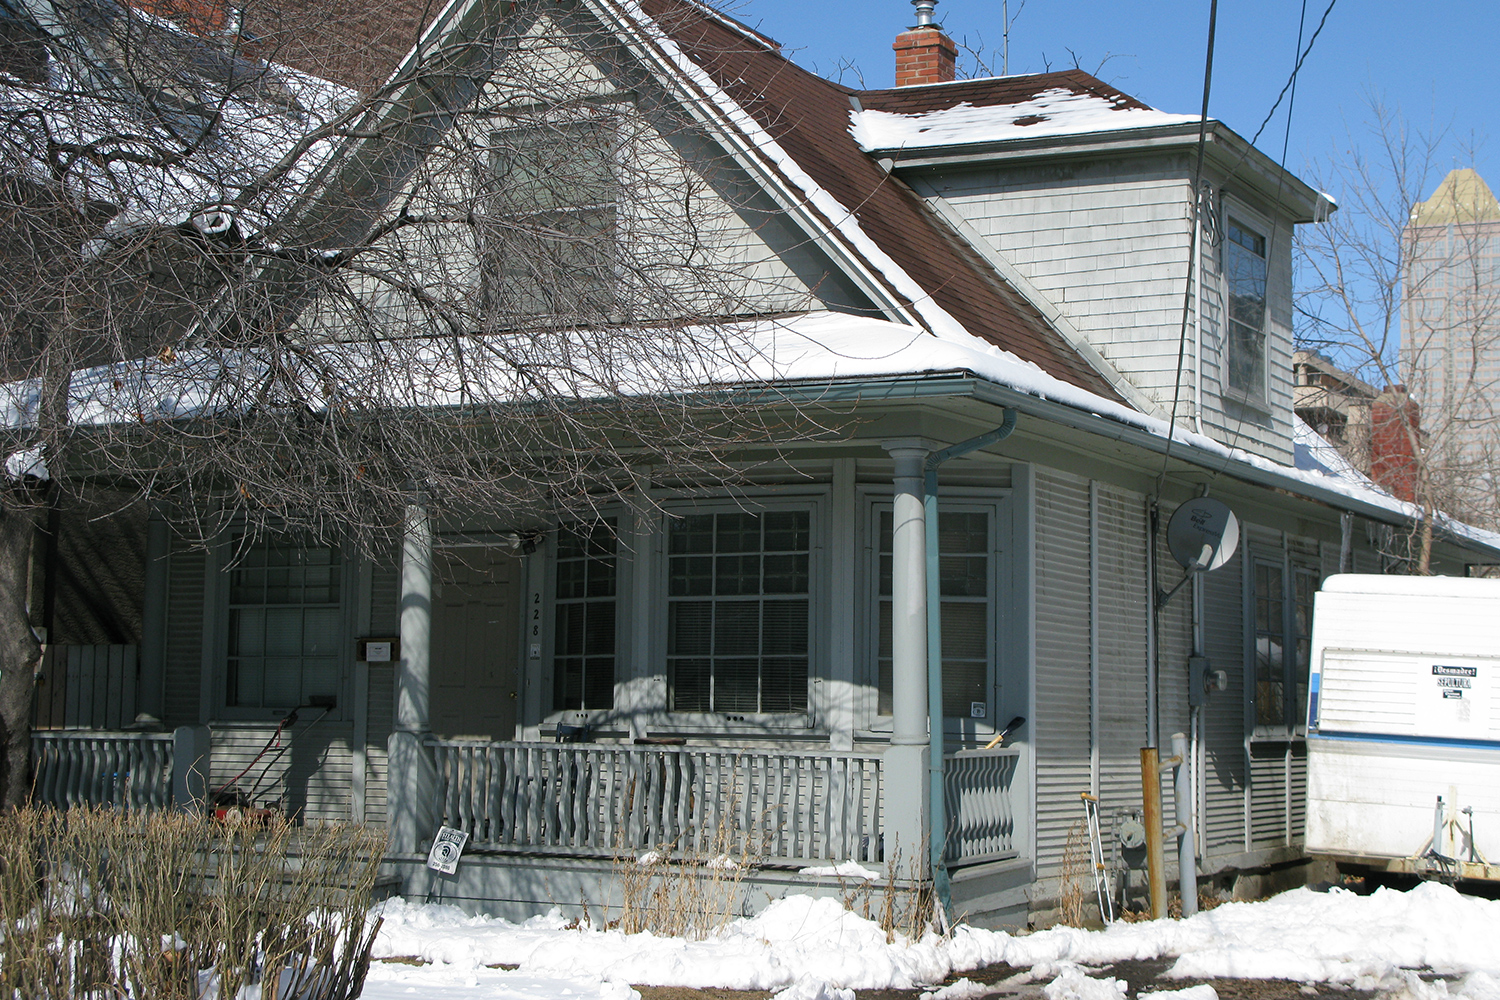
(447, 847)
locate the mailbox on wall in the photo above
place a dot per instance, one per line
(384, 649)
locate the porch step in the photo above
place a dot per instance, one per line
(994, 895)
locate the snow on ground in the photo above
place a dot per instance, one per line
(813, 949)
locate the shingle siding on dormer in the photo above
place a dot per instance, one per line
(1106, 240)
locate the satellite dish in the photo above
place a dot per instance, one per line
(1203, 534)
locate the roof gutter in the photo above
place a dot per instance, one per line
(956, 385)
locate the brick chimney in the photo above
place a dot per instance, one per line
(1394, 418)
(923, 53)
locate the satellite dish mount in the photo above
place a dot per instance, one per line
(1202, 535)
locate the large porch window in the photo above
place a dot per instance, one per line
(738, 589)
(285, 624)
(965, 565)
(583, 661)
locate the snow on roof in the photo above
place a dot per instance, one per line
(839, 217)
(1313, 453)
(810, 348)
(1053, 112)
(194, 126)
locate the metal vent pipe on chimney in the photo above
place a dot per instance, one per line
(923, 53)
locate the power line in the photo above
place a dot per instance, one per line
(1187, 292)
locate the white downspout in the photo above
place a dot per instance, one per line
(1094, 637)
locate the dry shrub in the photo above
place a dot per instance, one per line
(1072, 889)
(688, 895)
(97, 903)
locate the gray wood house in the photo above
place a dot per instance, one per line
(932, 262)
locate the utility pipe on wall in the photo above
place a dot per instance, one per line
(937, 840)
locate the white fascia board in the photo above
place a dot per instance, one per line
(831, 225)
(1039, 301)
(1224, 149)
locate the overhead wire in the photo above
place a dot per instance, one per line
(1288, 93)
(1208, 77)
(1289, 88)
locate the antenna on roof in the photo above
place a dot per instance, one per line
(924, 13)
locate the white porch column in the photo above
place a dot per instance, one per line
(416, 623)
(411, 797)
(906, 777)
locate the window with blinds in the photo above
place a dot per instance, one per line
(964, 566)
(285, 625)
(583, 655)
(738, 587)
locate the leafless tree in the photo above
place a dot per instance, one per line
(251, 279)
(1401, 287)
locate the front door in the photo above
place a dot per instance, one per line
(476, 607)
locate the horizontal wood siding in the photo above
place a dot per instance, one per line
(183, 670)
(1124, 610)
(311, 778)
(1062, 660)
(385, 588)
(1224, 778)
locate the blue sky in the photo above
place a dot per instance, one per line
(1436, 61)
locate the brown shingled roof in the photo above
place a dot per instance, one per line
(809, 117)
(994, 91)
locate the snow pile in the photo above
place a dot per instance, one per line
(1058, 111)
(813, 949)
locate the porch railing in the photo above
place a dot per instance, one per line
(125, 770)
(981, 815)
(786, 807)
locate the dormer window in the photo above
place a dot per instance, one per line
(551, 240)
(1245, 275)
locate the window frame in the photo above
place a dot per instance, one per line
(1240, 216)
(605, 120)
(952, 500)
(550, 604)
(217, 601)
(1294, 571)
(817, 592)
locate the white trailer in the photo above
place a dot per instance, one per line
(1403, 745)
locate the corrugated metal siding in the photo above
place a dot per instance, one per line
(312, 775)
(1062, 660)
(385, 593)
(183, 669)
(1224, 774)
(1124, 608)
